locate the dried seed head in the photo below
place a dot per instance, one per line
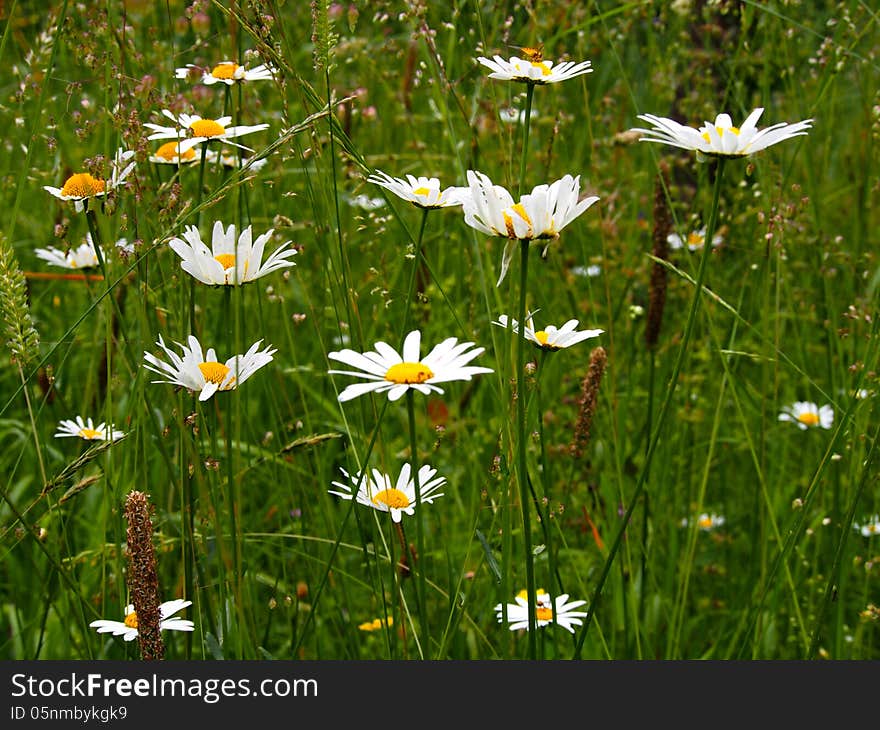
(143, 582)
(662, 229)
(589, 397)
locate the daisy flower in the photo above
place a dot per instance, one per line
(87, 430)
(721, 139)
(171, 154)
(227, 72)
(378, 492)
(534, 70)
(547, 611)
(376, 624)
(82, 186)
(225, 262)
(806, 414)
(83, 256)
(423, 192)
(870, 528)
(191, 130)
(203, 373)
(695, 240)
(550, 338)
(128, 627)
(387, 371)
(705, 522)
(541, 214)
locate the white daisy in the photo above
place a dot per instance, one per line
(387, 371)
(721, 139)
(423, 192)
(695, 240)
(541, 214)
(171, 154)
(225, 262)
(550, 338)
(87, 430)
(227, 72)
(378, 492)
(191, 130)
(83, 256)
(82, 186)
(128, 627)
(547, 611)
(706, 522)
(806, 414)
(203, 373)
(870, 528)
(534, 70)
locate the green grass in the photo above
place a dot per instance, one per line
(244, 526)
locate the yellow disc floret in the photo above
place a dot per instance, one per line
(207, 128)
(508, 220)
(392, 498)
(169, 151)
(89, 433)
(214, 372)
(227, 260)
(224, 70)
(721, 131)
(544, 613)
(407, 373)
(696, 240)
(809, 418)
(131, 620)
(82, 185)
(422, 191)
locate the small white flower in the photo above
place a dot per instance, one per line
(705, 522)
(591, 271)
(226, 263)
(128, 628)
(191, 130)
(423, 192)
(203, 373)
(82, 186)
(83, 256)
(806, 414)
(695, 240)
(547, 611)
(510, 115)
(550, 338)
(365, 202)
(87, 430)
(386, 371)
(534, 70)
(228, 72)
(378, 492)
(869, 528)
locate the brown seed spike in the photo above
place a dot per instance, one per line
(143, 582)
(662, 229)
(588, 400)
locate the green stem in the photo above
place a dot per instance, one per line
(414, 274)
(420, 532)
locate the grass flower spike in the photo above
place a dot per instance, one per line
(386, 371)
(423, 192)
(550, 338)
(87, 430)
(226, 263)
(227, 72)
(128, 627)
(203, 373)
(721, 139)
(82, 186)
(83, 256)
(534, 70)
(559, 611)
(378, 492)
(191, 130)
(695, 240)
(806, 414)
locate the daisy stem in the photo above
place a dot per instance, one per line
(420, 536)
(414, 275)
(664, 408)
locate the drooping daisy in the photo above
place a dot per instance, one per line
(82, 186)
(869, 528)
(534, 70)
(225, 262)
(376, 624)
(387, 371)
(721, 139)
(191, 130)
(547, 611)
(423, 192)
(806, 414)
(83, 256)
(128, 627)
(87, 430)
(705, 522)
(202, 373)
(695, 240)
(378, 492)
(541, 214)
(550, 338)
(227, 72)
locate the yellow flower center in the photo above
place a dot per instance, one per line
(705, 522)
(224, 70)
(214, 372)
(872, 528)
(393, 498)
(89, 433)
(544, 613)
(408, 373)
(207, 128)
(376, 624)
(168, 151)
(421, 191)
(227, 260)
(545, 69)
(721, 130)
(82, 185)
(696, 240)
(809, 418)
(131, 620)
(508, 221)
(524, 594)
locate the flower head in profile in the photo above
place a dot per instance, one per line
(227, 262)
(541, 214)
(377, 624)
(377, 490)
(721, 138)
(871, 528)
(695, 240)
(191, 130)
(550, 338)
(128, 627)
(170, 153)
(83, 256)
(387, 371)
(705, 521)
(423, 192)
(82, 186)
(806, 414)
(226, 72)
(203, 373)
(87, 430)
(548, 611)
(533, 69)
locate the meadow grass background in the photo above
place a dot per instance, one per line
(793, 316)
